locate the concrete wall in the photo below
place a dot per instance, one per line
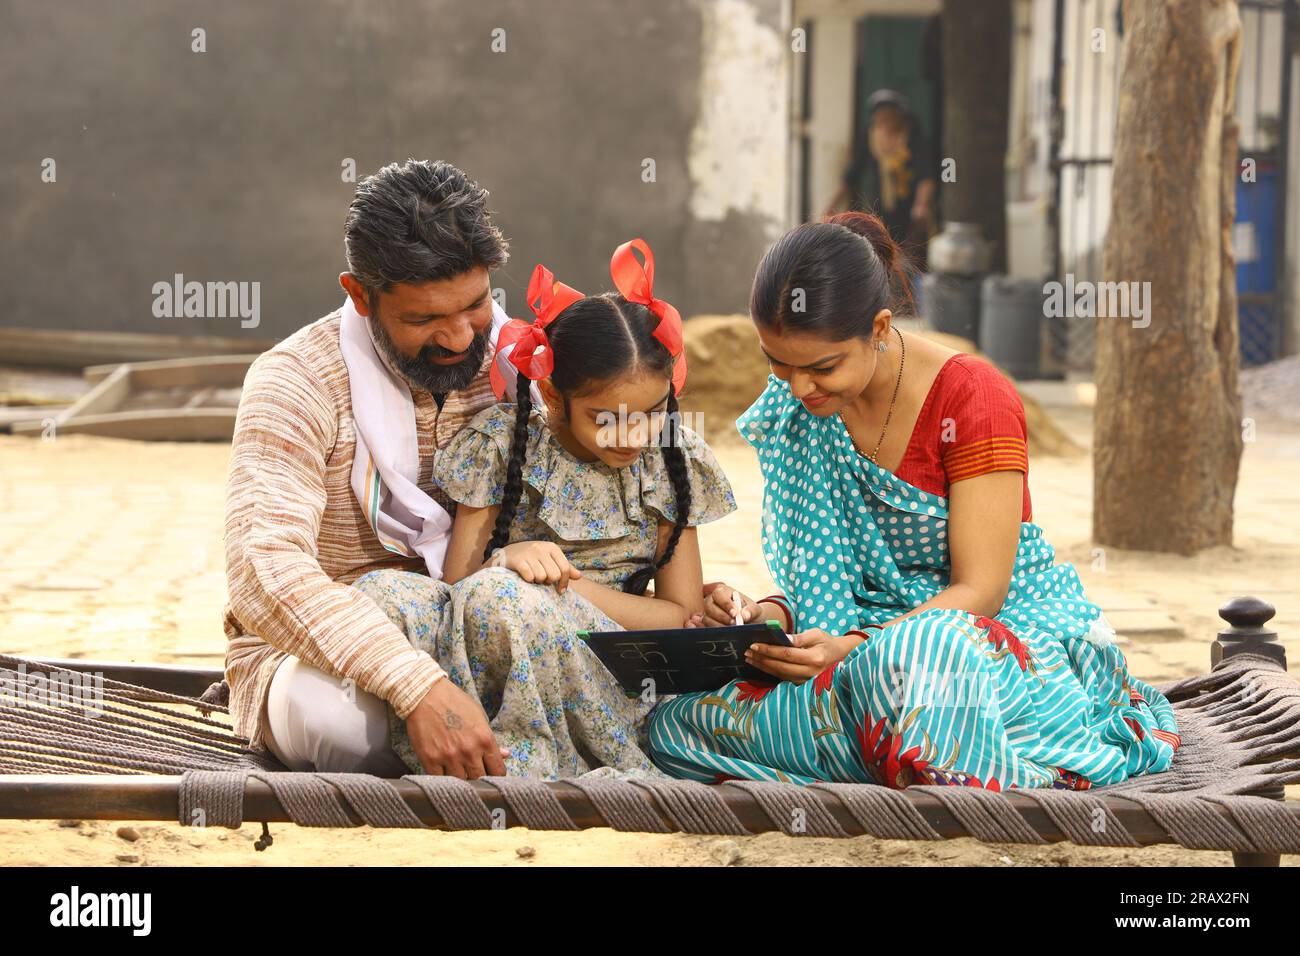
(226, 165)
(1029, 180)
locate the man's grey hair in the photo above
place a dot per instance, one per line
(419, 221)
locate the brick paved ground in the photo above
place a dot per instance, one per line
(112, 549)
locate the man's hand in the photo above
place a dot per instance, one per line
(451, 736)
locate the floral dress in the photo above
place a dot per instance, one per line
(550, 701)
(1037, 696)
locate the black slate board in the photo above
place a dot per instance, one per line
(683, 660)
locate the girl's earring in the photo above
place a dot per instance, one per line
(881, 346)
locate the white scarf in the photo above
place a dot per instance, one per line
(386, 467)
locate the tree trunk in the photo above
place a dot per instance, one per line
(1168, 418)
(976, 42)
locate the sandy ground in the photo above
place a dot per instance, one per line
(112, 549)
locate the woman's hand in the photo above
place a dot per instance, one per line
(814, 650)
(540, 562)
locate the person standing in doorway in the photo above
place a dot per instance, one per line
(893, 174)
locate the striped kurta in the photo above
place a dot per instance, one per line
(296, 536)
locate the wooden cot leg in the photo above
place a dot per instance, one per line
(1248, 635)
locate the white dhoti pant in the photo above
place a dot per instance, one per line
(325, 724)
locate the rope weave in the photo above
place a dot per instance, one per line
(1240, 728)
(793, 808)
(455, 801)
(533, 803)
(110, 726)
(882, 812)
(1082, 817)
(692, 807)
(211, 798)
(623, 807)
(986, 815)
(373, 799)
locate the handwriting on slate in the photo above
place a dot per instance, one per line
(651, 662)
(719, 649)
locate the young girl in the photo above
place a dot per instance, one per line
(573, 508)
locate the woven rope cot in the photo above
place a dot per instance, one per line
(154, 746)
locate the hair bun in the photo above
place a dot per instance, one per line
(896, 262)
(870, 227)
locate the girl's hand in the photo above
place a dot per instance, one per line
(540, 562)
(814, 650)
(718, 608)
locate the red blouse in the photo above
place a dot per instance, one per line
(972, 423)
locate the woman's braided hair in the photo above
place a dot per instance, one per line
(595, 340)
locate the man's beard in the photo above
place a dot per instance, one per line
(421, 372)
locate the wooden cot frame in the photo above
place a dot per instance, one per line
(129, 797)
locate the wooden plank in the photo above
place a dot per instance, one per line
(216, 371)
(11, 416)
(95, 374)
(199, 397)
(170, 678)
(182, 424)
(104, 397)
(67, 348)
(1144, 623)
(104, 409)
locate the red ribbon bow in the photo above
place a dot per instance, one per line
(636, 282)
(532, 354)
(547, 298)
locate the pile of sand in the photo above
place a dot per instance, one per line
(728, 372)
(1273, 389)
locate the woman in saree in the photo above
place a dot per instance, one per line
(935, 639)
